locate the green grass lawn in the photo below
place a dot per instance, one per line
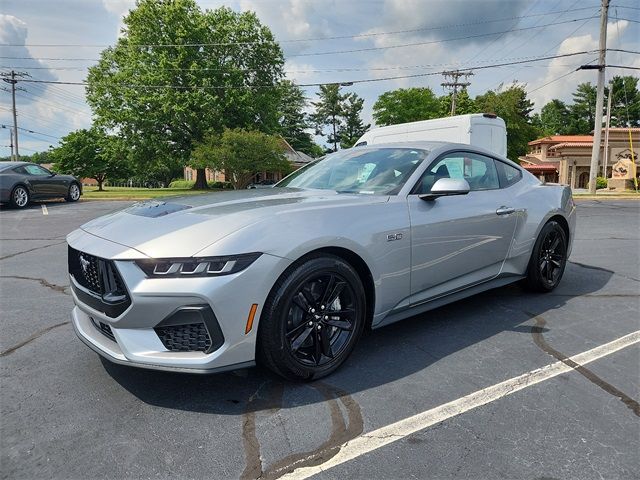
(126, 193)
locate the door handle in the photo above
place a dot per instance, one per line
(505, 210)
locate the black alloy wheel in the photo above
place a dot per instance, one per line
(312, 318)
(549, 258)
(320, 319)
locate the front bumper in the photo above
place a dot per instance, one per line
(153, 300)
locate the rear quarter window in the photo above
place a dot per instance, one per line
(508, 175)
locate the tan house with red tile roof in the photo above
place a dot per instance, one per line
(566, 159)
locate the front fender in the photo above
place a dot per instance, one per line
(378, 233)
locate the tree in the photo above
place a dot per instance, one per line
(293, 120)
(241, 154)
(513, 106)
(555, 118)
(464, 104)
(353, 127)
(329, 109)
(583, 109)
(162, 91)
(625, 102)
(91, 154)
(405, 105)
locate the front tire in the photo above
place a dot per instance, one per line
(548, 259)
(312, 319)
(20, 197)
(74, 193)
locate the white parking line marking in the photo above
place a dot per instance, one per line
(44, 210)
(367, 442)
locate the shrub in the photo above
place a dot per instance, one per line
(190, 183)
(601, 182)
(221, 185)
(182, 184)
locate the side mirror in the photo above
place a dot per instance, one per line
(446, 187)
(52, 174)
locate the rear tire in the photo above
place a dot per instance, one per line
(20, 197)
(548, 259)
(312, 319)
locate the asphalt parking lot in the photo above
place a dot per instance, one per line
(68, 414)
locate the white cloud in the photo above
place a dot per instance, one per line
(563, 88)
(12, 30)
(118, 8)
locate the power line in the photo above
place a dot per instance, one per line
(325, 70)
(301, 40)
(356, 50)
(31, 131)
(59, 106)
(211, 87)
(623, 66)
(630, 8)
(453, 83)
(551, 48)
(431, 42)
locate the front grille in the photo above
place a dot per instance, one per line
(86, 271)
(192, 337)
(99, 277)
(104, 329)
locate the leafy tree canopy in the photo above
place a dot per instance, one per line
(353, 127)
(554, 119)
(294, 121)
(162, 94)
(515, 109)
(91, 154)
(240, 154)
(405, 105)
(625, 101)
(464, 104)
(583, 109)
(328, 113)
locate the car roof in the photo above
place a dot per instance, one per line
(5, 165)
(420, 144)
(443, 146)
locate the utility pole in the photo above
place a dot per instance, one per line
(453, 83)
(11, 142)
(606, 132)
(597, 134)
(11, 78)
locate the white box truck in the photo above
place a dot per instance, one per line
(479, 129)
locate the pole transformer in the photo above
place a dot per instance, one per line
(453, 83)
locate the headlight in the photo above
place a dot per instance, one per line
(196, 267)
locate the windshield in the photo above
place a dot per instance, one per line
(381, 171)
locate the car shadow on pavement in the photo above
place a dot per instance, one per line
(381, 357)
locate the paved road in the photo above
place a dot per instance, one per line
(68, 414)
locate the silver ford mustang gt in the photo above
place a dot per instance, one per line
(290, 276)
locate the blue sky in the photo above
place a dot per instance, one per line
(500, 31)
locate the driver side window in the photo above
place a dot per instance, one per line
(479, 171)
(37, 170)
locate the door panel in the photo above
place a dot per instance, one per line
(461, 240)
(44, 184)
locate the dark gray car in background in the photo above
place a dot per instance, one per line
(21, 182)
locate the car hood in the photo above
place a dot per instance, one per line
(183, 226)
